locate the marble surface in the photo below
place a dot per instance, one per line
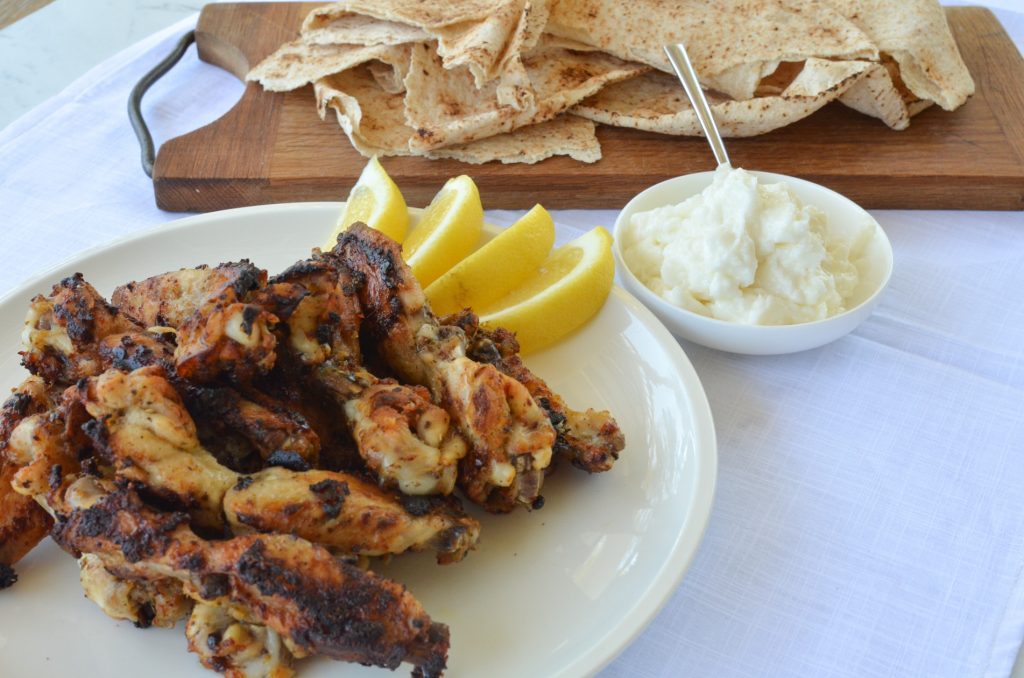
(47, 50)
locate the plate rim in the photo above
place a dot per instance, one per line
(687, 542)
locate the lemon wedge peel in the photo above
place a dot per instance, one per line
(569, 289)
(502, 264)
(447, 232)
(376, 201)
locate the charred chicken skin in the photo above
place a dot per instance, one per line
(510, 436)
(403, 438)
(316, 603)
(590, 440)
(23, 522)
(141, 428)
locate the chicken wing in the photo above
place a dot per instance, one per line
(23, 523)
(61, 331)
(510, 436)
(590, 440)
(315, 602)
(169, 299)
(217, 333)
(404, 438)
(140, 427)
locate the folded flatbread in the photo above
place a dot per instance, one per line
(445, 107)
(655, 102)
(483, 80)
(917, 36)
(485, 36)
(299, 63)
(733, 44)
(374, 121)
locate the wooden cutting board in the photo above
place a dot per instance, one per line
(273, 147)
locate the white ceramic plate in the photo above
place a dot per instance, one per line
(556, 592)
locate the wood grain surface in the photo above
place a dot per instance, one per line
(273, 147)
(13, 10)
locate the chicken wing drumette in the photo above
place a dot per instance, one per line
(406, 440)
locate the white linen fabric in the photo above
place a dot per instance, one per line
(869, 518)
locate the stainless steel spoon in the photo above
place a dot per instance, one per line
(684, 69)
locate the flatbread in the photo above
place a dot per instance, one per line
(564, 135)
(445, 108)
(733, 44)
(298, 63)
(485, 36)
(349, 28)
(655, 102)
(876, 94)
(917, 35)
(374, 121)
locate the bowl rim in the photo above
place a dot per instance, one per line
(627, 272)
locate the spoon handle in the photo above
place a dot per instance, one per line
(684, 69)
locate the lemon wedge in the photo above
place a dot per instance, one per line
(503, 264)
(570, 288)
(376, 201)
(447, 232)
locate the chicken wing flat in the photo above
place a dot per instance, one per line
(510, 436)
(590, 440)
(315, 602)
(141, 428)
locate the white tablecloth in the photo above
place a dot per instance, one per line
(869, 519)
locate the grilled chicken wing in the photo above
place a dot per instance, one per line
(61, 331)
(169, 299)
(315, 602)
(23, 523)
(404, 438)
(510, 436)
(217, 333)
(590, 440)
(141, 428)
(47, 460)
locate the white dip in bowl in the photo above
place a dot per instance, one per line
(757, 255)
(745, 251)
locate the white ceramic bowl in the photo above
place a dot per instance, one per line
(875, 267)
